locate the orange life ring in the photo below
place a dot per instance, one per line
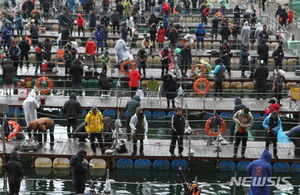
(211, 133)
(203, 70)
(42, 79)
(174, 11)
(17, 129)
(196, 83)
(132, 65)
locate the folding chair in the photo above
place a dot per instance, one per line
(294, 94)
(153, 88)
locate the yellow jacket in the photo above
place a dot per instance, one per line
(94, 122)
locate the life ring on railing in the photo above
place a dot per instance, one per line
(196, 83)
(208, 131)
(200, 66)
(44, 79)
(132, 65)
(17, 129)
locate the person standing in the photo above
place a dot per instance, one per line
(14, 172)
(246, 31)
(80, 24)
(68, 59)
(15, 53)
(25, 48)
(260, 170)
(219, 77)
(278, 56)
(142, 59)
(131, 109)
(7, 77)
(263, 51)
(153, 33)
(115, 20)
(94, 127)
(76, 72)
(215, 26)
(79, 171)
(226, 55)
(260, 76)
(72, 110)
(200, 34)
(225, 32)
(139, 128)
(244, 61)
(166, 59)
(34, 33)
(238, 106)
(41, 125)
(134, 79)
(100, 37)
(170, 88)
(243, 120)
(38, 57)
(294, 136)
(278, 84)
(186, 59)
(18, 20)
(161, 33)
(178, 123)
(272, 124)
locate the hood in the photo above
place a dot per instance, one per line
(246, 24)
(14, 156)
(266, 156)
(290, 12)
(72, 96)
(200, 25)
(258, 25)
(238, 101)
(77, 61)
(79, 15)
(274, 114)
(102, 74)
(32, 94)
(79, 157)
(90, 43)
(138, 109)
(137, 98)
(134, 72)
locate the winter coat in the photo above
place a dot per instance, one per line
(41, 124)
(238, 105)
(260, 168)
(178, 123)
(215, 23)
(122, 51)
(261, 73)
(278, 55)
(273, 107)
(30, 106)
(24, 46)
(186, 56)
(14, 168)
(169, 87)
(134, 78)
(153, 33)
(124, 32)
(173, 36)
(76, 71)
(92, 22)
(166, 8)
(165, 21)
(100, 37)
(258, 30)
(8, 71)
(219, 72)
(130, 23)
(200, 32)
(94, 122)
(266, 124)
(152, 20)
(284, 16)
(34, 32)
(115, 17)
(79, 168)
(14, 52)
(47, 47)
(225, 33)
(263, 35)
(278, 11)
(90, 48)
(244, 57)
(294, 133)
(6, 36)
(161, 35)
(263, 51)
(132, 105)
(226, 57)
(246, 30)
(72, 108)
(103, 82)
(65, 33)
(239, 117)
(139, 131)
(120, 9)
(19, 22)
(80, 20)
(290, 16)
(62, 19)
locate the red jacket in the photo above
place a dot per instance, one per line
(206, 11)
(80, 20)
(134, 77)
(290, 17)
(166, 8)
(272, 107)
(161, 35)
(90, 48)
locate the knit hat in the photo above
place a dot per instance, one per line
(94, 107)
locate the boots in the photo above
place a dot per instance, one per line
(243, 152)
(235, 152)
(173, 104)
(168, 103)
(275, 153)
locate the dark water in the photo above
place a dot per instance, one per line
(211, 181)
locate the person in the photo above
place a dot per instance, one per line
(170, 88)
(122, 51)
(14, 173)
(41, 125)
(6, 36)
(166, 59)
(263, 52)
(115, 20)
(260, 170)
(219, 77)
(139, 128)
(273, 106)
(147, 43)
(72, 110)
(290, 18)
(105, 62)
(278, 11)
(68, 59)
(258, 30)
(104, 83)
(25, 48)
(120, 7)
(178, 123)
(186, 59)
(246, 30)
(90, 47)
(94, 127)
(142, 59)
(294, 135)
(204, 15)
(173, 37)
(200, 34)
(278, 84)
(79, 171)
(34, 33)
(153, 20)
(153, 32)
(81, 134)
(264, 34)
(243, 120)
(283, 18)
(226, 55)
(7, 77)
(130, 109)
(65, 35)
(260, 76)
(76, 72)
(14, 53)
(38, 57)
(100, 37)
(134, 78)
(92, 21)
(124, 32)
(272, 124)
(131, 25)
(238, 105)
(47, 47)
(278, 56)
(244, 61)
(80, 24)
(104, 21)
(18, 20)
(215, 26)
(161, 33)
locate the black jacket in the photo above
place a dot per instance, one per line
(169, 86)
(178, 124)
(65, 34)
(14, 168)
(104, 82)
(76, 71)
(225, 33)
(92, 23)
(215, 23)
(173, 36)
(79, 168)
(47, 47)
(261, 73)
(120, 9)
(238, 105)
(186, 56)
(34, 31)
(24, 46)
(8, 74)
(263, 51)
(72, 108)
(278, 55)
(153, 32)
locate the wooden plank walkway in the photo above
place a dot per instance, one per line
(193, 104)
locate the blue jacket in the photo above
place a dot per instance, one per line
(100, 37)
(19, 22)
(267, 126)
(82, 2)
(165, 21)
(260, 168)
(6, 36)
(200, 32)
